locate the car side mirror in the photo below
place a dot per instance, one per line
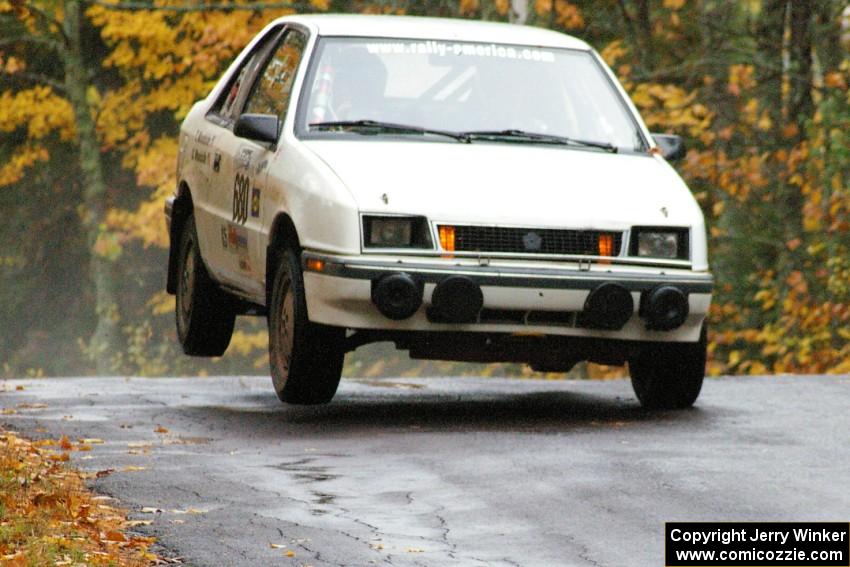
(261, 128)
(672, 147)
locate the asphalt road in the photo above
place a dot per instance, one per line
(446, 471)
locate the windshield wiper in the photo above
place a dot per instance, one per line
(539, 138)
(390, 127)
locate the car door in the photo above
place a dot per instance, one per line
(224, 240)
(244, 163)
(269, 95)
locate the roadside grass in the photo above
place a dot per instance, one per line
(49, 517)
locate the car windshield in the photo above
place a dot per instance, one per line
(502, 91)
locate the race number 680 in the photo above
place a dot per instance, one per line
(240, 198)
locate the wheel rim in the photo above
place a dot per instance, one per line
(285, 333)
(187, 284)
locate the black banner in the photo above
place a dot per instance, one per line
(757, 544)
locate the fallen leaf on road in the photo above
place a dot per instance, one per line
(114, 535)
(19, 388)
(31, 406)
(133, 468)
(378, 546)
(277, 545)
(160, 429)
(65, 443)
(91, 441)
(290, 553)
(415, 550)
(103, 473)
(186, 441)
(8, 411)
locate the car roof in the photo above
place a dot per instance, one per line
(444, 29)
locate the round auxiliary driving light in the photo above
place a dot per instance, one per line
(397, 296)
(664, 308)
(456, 299)
(609, 306)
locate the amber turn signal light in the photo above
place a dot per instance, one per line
(315, 265)
(447, 238)
(606, 244)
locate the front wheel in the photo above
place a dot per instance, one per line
(305, 358)
(669, 375)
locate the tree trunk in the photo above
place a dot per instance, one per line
(770, 33)
(800, 104)
(518, 14)
(800, 52)
(103, 342)
(644, 27)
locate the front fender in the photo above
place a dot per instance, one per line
(322, 209)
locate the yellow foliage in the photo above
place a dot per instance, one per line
(741, 78)
(250, 344)
(24, 157)
(567, 14)
(503, 7)
(468, 7)
(672, 107)
(161, 303)
(39, 110)
(613, 52)
(13, 65)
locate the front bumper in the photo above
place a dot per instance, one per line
(519, 297)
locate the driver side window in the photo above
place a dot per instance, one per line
(227, 106)
(273, 88)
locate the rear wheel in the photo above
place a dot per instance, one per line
(205, 314)
(305, 358)
(669, 375)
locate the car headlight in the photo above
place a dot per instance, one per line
(663, 243)
(396, 232)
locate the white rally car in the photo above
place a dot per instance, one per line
(469, 191)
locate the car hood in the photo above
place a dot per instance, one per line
(512, 184)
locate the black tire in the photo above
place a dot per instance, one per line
(669, 375)
(204, 313)
(305, 358)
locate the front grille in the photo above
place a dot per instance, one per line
(519, 317)
(532, 240)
